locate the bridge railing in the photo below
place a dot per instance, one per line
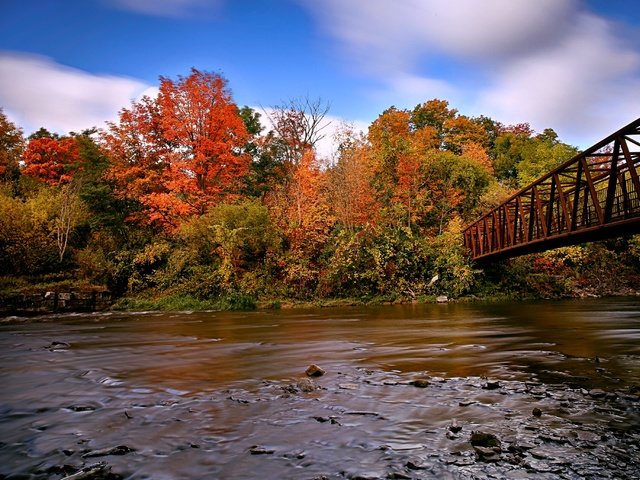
(594, 195)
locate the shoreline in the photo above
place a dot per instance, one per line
(86, 302)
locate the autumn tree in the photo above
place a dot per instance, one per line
(433, 113)
(521, 156)
(390, 138)
(412, 190)
(452, 130)
(198, 117)
(478, 154)
(182, 152)
(139, 156)
(301, 204)
(26, 243)
(300, 208)
(492, 129)
(52, 159)
(461, 131)
(434, 188)
(70, 212)
(353, 200)
(37, 229)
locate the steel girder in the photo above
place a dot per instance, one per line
(593, 196)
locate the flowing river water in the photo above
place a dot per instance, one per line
(521, 390)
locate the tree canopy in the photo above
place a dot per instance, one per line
(189, 193)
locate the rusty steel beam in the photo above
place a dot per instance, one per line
(613, 183)
(595, 195)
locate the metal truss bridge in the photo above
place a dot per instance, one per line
(593, 196)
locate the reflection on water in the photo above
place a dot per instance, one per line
(74, 383)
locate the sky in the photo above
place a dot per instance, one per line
(569, 65)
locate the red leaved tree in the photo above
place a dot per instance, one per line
(182, 152)
(52, 160)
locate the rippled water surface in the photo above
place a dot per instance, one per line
(222, 395)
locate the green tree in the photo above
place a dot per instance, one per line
(542, 154)
(508, 152)
(98, 190)
(35, 231)
(11, 148)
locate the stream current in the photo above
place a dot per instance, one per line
(521, 390)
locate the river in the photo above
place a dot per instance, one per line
(551, 390)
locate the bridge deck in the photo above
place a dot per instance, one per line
(593, 196)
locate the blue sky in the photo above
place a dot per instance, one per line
(570, 65)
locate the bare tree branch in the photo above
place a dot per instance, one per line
(299, 124)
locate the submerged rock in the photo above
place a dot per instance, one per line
(417, 465)
(348, 386)
(117, 450)
(420, 383)
(260, 450)
(98, 471)
(304, 385)
(81, 408)
(54, 346)
(491, 385)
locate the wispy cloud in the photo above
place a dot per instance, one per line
(37, 92)
(387, 36)
(584, 83)
(167, 8)
(550, 62)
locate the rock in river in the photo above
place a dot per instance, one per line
(118, 450)
(454, 427)
(483, 439)
(420, 383)
(314, 371)
(260, 450)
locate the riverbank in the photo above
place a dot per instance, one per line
(48, 302)
(59, 294)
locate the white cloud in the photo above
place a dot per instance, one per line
(585, 83)
(385, 35)
(407, 90)
(550, 62)
(167, 8)
(37, 92)
(327, 147)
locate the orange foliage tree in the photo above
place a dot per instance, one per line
(300, 208)
(390, 138)
(353, 201)
(478, 154)
(52, 160)
(182, 152)
(300, 205)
